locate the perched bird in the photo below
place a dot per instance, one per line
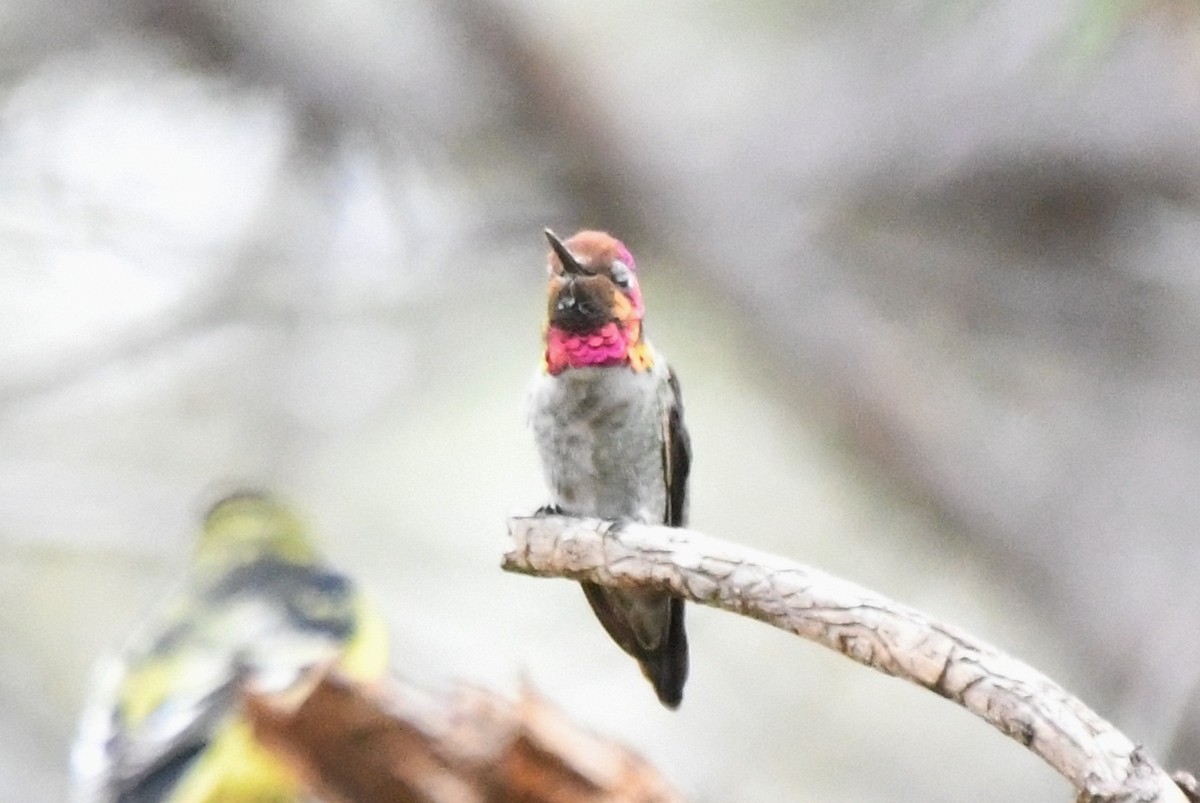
(608, 420)
(259, 608)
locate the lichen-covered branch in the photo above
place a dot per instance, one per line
(352, 744)
(1097, 759)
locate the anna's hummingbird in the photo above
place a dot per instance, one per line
(607, 416)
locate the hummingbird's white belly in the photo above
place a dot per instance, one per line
(600, 435)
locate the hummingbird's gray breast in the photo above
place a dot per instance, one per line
(600, 434)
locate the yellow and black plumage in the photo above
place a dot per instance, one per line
(258, 608)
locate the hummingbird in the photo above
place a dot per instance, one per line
(607, 416)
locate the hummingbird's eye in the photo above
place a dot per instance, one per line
(621, 274)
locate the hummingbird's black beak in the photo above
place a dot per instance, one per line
(570, 266)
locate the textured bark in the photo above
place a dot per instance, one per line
(399, 744)
(1101, 763)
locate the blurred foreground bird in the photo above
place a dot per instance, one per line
(607, 416)
(258, 608)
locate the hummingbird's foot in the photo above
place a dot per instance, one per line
(549, 510)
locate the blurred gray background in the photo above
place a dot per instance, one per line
(927, 271)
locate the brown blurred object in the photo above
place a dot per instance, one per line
(398, 743)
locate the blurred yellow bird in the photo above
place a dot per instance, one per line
(258, 607)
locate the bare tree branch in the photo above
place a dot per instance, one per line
(1101, 762)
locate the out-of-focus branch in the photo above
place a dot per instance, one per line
(397, 743)
(1187, 782)
(1101, 762)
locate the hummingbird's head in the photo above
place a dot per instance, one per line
(594, 315)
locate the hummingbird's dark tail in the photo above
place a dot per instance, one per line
(648, 626)
(667, 667)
